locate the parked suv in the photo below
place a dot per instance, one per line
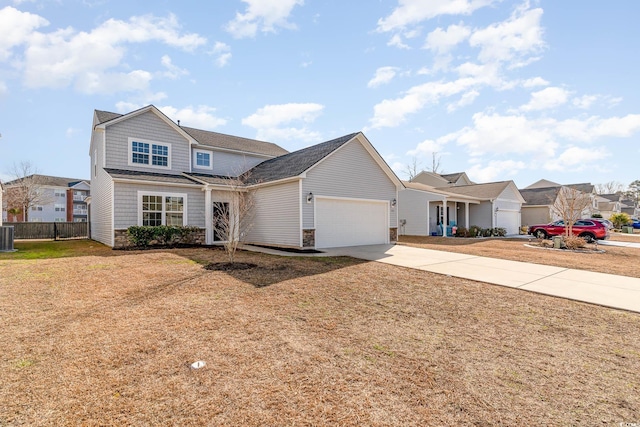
(588, 229)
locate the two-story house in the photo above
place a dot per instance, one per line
(147, 169)
(51, 199)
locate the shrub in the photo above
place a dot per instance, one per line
(162, 235)
(475, 231)
(499, 232)
(620, 219)
(574, 242)
(596, 215)
(462, 232)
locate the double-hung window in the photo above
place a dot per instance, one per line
(162, 209)
(202, 159)
(149, 153)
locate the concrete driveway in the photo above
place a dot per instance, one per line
(586, 286)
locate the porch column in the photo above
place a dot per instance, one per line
(208, 217)
(445, 220)
(466, 215)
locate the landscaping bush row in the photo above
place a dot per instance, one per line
(162, 235)
(475, 231)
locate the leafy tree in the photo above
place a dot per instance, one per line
(620, 219)
(633, 192)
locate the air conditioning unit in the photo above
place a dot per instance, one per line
(6, 239)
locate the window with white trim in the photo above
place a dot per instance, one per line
(162, 209)
(59, 207)
(202, 159)
(149, 153)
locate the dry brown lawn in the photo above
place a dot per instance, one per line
(108, 340)
(615, 260)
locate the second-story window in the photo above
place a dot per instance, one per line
(202, 159)
(149, 153)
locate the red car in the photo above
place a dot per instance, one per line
(588, 229)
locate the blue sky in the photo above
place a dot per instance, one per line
(519, 90)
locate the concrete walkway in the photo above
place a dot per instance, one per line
(596, 288)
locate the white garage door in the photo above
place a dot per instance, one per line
(509, 220)
(350, 223)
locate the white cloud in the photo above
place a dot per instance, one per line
(223, 54)
(534, 82)
(383, 76)
(577, 159)
(71, 132)
(392, 112)
(411, 12)
(262, 15)
(200, 117)
(585, 101)
(271, 121)
(547, 98)
(466, 99)
(427, 146)
(396, 41)
(511, 40)
(3, 88)
(173, 71)
(442, 41)
(87, 60)
(16, 28)
(494, 169)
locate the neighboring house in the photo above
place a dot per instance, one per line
(425, 209)
(609, 204)
(539, 201)
(59, 200)
(149, 170)
(3, 209)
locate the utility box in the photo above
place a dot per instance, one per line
(6, 239)
(557, 242)
(627, 230)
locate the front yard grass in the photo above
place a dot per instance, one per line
(108, 340)
(615, 260)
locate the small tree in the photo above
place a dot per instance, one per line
(620, 219)
(435, 163)
(413, 168)
(610, 187)
(570, 205)
(633, 192)
(25, 190)
(234, 217)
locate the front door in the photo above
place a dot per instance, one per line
(221, 225)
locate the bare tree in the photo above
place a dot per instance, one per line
(435, 163)
(610, 187)
(570, 205)
(413, 168)
(233, 218)
(25, 190)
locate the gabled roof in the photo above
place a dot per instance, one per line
(490, 190)
(585, 187)
(449, 195)
(203, 137)
(543, 183)
(452, 177)
(616, 197)
(47, 180)
(294, 164)
(540, 196)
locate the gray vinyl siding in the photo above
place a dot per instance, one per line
(481, 215)
(349, 172)
(126, 198)
(535, 215)
(412, 207)
(231, 164)
(276, 219)
(101, 207)
(508, 200)
(146, 126)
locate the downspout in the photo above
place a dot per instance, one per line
(208, 216)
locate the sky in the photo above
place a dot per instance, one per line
(499, 89)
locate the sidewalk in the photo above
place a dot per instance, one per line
(596, 288)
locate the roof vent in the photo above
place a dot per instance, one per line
(178, 122)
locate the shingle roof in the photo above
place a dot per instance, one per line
(230, 142)
(215, 139)
(613, 197)
(294, 164)
(540, 196)
(54, 181)
(585, 187)
(150, 176)
(425, 187)
(452, 177)
(481, 191)
(210, 179)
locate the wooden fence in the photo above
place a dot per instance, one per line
(49, 230)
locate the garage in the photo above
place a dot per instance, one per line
(509, 220)
(351, 222)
